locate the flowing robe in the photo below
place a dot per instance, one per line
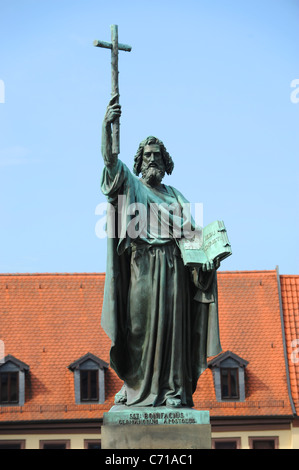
(162, 326)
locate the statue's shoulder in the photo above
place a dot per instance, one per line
(178, 195)
(122, 169)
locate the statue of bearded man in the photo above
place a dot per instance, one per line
(160, 315)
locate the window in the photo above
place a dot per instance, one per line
(89, 385)
(12, 381)
(92, 444)
(9, 387)
(229, 376)
(229, 383)
(12, 445)
(226, 443)
(263, 443)
(89, 379)
(57, 445)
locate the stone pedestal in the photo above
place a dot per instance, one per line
(156, 428)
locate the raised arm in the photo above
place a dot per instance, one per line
(113, 112)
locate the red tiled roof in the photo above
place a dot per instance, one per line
(49, 321)
(290, 302)
(250, 326)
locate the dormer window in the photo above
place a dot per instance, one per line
(89, 378)
(9, 387)
(229, 383)
(89, 385)
(229, 376)
(12, 381)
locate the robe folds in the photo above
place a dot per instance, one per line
(161, 323)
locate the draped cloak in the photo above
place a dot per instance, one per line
(162, 325)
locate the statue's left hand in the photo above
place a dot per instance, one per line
(210, 266)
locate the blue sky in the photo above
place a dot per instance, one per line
(212, 79)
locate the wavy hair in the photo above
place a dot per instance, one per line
(168, 162)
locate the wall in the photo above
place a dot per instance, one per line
(32, 440)
(285, 437)
(296, 437)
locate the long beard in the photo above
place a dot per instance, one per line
(152, 176)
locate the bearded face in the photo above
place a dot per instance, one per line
(152, 168)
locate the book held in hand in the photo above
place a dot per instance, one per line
(211, 245)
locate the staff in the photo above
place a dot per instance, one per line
(115, 47)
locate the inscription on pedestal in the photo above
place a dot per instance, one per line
(120, 415)
(127, 427)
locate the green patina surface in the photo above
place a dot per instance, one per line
(121, 415)
(159, 310)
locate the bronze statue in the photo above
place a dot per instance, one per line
(160, 314)
(160, 307)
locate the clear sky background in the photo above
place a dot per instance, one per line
(212, 79)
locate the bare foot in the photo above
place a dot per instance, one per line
(121, 396)
(173, 402)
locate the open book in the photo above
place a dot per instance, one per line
(212, 244)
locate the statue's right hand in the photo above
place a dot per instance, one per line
(113, 111)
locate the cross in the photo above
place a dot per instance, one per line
(115, 46)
